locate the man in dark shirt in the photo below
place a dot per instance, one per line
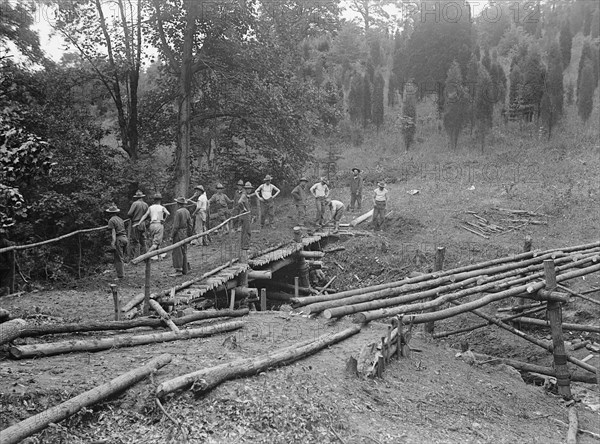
(182, 228)
(6, 264)
(138, 233)
(119, 239)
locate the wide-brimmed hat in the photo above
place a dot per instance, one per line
(139, 194)
(157, 196)
(240, 182)
(248, 185)
(303, 179)
(268, 177)
(180, 200)
(381, 183)
(324, 179)
(355, 169)
(220, 185)
(199, 187)
(112, 209)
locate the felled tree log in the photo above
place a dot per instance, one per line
(164, 316)
(52, 329)
(565, 325)
(33, 424)
(55, 348)
(573, 426)
(260, 274)
(360, 219)
(206, 379)
(4, 315)
(11, 330)
(311, 254)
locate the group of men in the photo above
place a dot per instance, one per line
(147, 221)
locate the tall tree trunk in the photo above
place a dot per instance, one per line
(182, 158)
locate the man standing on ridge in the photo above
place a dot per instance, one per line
(201, 213)
(157, 214)
(299, 194)
(182, 228)
(320, 191)
(266, 193)
(221, 202)
(118, 239)
(356, 188)
(380, 199)
(138, 231)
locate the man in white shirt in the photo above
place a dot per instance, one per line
(380, 199)
(266, 193)
(200, 213)
(337, 211)
(320, 191)
(157, 214)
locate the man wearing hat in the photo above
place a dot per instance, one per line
(320, 191)
(299, 194)
(200, 212)
(182, 228)
(119, 239)
(138, 234)
(380, 199)
(157, 214)
(266, 192)
(221, 202)
(6, 262)
(356, 188)
(243, 206)
(337, 211)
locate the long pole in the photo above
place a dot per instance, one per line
(147, 289)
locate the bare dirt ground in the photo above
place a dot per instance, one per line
(433, 397)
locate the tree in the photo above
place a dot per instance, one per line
(366, 107)
(552, 99)
(516, 86)
(84, 25)
(15, 27)
(470, 86)
(498, 82)
(588, 54)
(533, 80)
(399, 66)
(595, 24)
(355, 99)
(372, 13)
(566, 43)
(586, 92)
(486, 61)
(484, 105)
(409, 113)
(455, 106)
(377, 109)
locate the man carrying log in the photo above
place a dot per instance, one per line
(201, 213)
(356, 189)
(320, 191)
(299, 194)
(182, 228)
(221, 202)
(157, 214)
(242, 206)
(138, 232)
(380, 199)
(266, 193)
(119, 239)
(336, 209)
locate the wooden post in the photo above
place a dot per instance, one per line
(184, 265)
(398, 337)
(113, 288)
(263, 299)
(164, 315)
(296, 287)
(146, 308)
(232, 300)
(527, 244)
(554, 312)
(79, 257)
(13, 271)
(303, 269)
(440, 253)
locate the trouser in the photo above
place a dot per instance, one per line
(301, 209)
(321, 205)
(378, 215)
(138, 240)
(355, 198)
(246, 233)
(266, 212)
(180, 253)
(156, 232)
(201, 217)
(119, 254)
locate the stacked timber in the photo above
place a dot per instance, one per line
(521, 275)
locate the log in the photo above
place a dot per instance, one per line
(4, 315)
(438, 265)
(52, 329)
(34, 424)
(164, 316)
(521, 307)
(532, 368)
(527, 337)
(579, 295)
(573, 426)
(565, 325)
(206, 379)
(314, 265)
(360, 219)
(88, 345)
(11, 330)
(311, 254)
(478, 303)
(117, 302)
(136, 300)
(260, 274)
(246, 292)
(334, 249)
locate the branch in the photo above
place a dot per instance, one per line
(163, 40)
